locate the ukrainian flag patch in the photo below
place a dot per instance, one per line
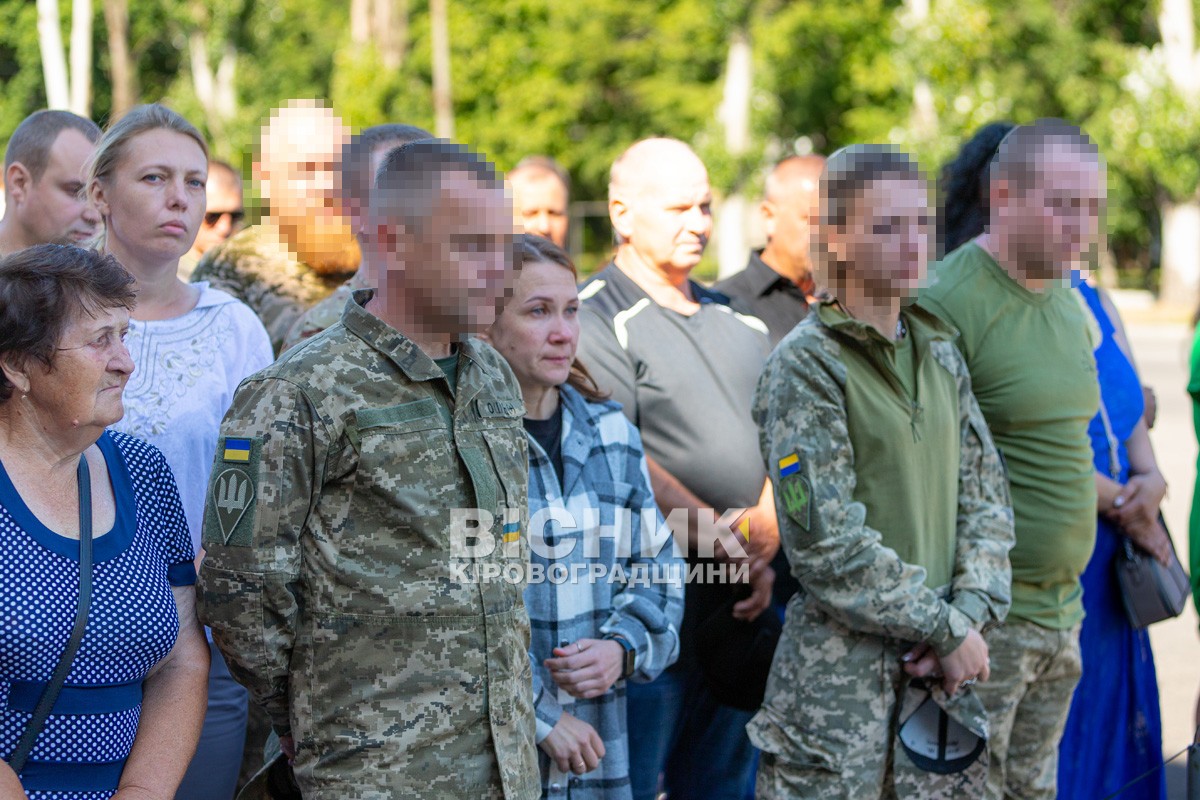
(789, 465)
(237, 450)
(512, 532)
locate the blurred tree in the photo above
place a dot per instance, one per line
(581, 81)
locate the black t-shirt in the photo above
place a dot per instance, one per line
(548, 433)
(764, 293)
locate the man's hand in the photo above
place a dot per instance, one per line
(753, 530)
(764, 528)
(762, 580)
(573, 745)
(587, 668)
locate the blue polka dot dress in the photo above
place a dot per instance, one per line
(131, 626)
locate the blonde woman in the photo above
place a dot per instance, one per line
(191, 345)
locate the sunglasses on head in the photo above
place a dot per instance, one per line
(213, 217)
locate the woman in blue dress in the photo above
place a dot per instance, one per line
(1114, 731)
(130, 711)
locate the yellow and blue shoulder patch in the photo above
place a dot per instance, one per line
(236, 450)
(232, 493)
(795, 490)
(512, 532)
(789, 465)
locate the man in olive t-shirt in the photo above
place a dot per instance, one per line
(1026, 341)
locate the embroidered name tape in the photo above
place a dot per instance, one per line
(499, 408)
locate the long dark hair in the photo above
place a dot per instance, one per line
(964, 185)
(533, 249)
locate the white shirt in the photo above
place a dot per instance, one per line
(186, 371)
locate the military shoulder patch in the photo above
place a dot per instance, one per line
(795, 490)
(229, 512)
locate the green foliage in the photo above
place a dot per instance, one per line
(21, 86)
(581, 81)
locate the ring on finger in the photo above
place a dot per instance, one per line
(969, 682)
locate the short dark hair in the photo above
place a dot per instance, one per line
(847, 173)
(355, 174)
(544, 165)
(410, 174)
(31, 141)
(1018, 158)
(46, 287)
(851, 169)
(965, 186)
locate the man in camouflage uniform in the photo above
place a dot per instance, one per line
(304, 247)
(1027, 341)
(345, 581)
(360, 161)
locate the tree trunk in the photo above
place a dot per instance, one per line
(124, 76)
(360, 21)
(443, 102)
(81, 57)
(215, 91)
(389, 17)
(924, 112)
(1180, 287)
(1177, 27)
(54, 58)
(202, 77)
(224, 93)
(1180, 276)
(734, 114)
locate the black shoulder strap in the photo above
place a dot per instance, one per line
(50, 695)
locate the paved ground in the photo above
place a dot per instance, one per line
(1162, 354)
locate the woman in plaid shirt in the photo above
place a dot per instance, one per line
(605, 594)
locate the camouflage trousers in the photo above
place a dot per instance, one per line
(827, 727)
(1034, 672)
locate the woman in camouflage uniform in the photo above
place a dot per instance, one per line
(893, 510)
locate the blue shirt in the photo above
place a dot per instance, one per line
(597, 571)
(132, 623)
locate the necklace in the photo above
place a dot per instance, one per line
(901, 328)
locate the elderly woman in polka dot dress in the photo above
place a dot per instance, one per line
(127, 720)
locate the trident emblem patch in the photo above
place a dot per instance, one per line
(233, 492)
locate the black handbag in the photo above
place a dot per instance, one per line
(45, 704)
(1150, 592)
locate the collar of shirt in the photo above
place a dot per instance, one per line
(616, 276)
(412, 360)
(920, 322)
(763, 280)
